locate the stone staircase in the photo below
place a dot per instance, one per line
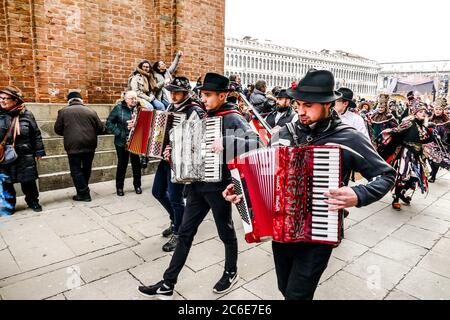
(54, 168)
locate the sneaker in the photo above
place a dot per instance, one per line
(168, 232)
(228, 280)
(171, 244)
(396, 206)
(35, 206)
(161, 291)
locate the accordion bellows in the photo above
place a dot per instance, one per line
(192, 158)
(283, 190)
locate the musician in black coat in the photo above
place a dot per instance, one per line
(169, 194)
(299, 266)
(283, 112)
(203, 197)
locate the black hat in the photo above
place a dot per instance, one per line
(13, 92)
(347, 95)
(73, 95)
(179, 84)
(315, 86)
(410, 95)
(215, 82)
(283, 94)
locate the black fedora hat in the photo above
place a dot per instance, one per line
(215, 82)
(347, 95)
(315, 86)
(179, 84)
(283, 94)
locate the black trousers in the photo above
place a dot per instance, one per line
(80, 169)
(299, 267)
(434, 169)
(197, 206)
(123, 156)
(29, 189)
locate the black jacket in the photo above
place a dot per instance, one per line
(236, 132)
(117, 123)
(80, 126)
(286, 117)
(28, 146)
(189, 107)
(357, 152)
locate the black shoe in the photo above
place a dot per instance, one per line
(35, 206)
(168, 232)
(120, 192)
(82, 197)
(138, 190)
(432, 180)
(228, 280)
(160, 291)
(171, 244)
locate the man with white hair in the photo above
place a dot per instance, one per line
(80, 126)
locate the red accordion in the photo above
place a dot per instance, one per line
(150, 133)
(283, 190)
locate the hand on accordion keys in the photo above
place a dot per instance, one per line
(167, 152)
(217, 146)
(230, 195)
(341, 198)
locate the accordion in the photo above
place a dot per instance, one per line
(150, 133)
(283, 193)
(192, 158)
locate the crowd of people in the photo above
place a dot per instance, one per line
(391, 143)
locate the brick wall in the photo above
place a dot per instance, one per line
(48, 47)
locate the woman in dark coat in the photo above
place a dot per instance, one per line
(28, 146)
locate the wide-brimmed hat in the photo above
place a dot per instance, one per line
(283, 94)
(179, 84)
(13, 92)
(419, 106)
(383, 98)
(315, 86)
(440, 102)
(347, 95)
(215, 82)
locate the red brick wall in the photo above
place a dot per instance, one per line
(48, 47)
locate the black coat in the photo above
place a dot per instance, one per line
(357, 152)
(28, 146)
(287, 116)
(80, 126)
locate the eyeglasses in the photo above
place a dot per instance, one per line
(6, 98)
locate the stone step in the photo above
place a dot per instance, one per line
(55, 146)
(60, 163)
(49, 112)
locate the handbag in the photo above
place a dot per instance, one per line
(7, 152)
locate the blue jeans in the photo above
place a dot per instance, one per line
(169, 194)
(158, 105)
(165, 103)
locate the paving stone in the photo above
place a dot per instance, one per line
(8, 266)
(404, 252)
(240, 294)
(69, 221)
(334, 265)
(266, 246)
(254, 263)
(349, 223)
(152, 272)
(348, 250)
(123, 206)
(40, 287)
(430, 223)
(90, 241)
(127, 218)
(345, 286)
(120, 286)
(112, 263)
(364, 235)
(151, 228)
(421, 237)
(426, 285)
(205, 254)
(439, 209)
(359, 214)
(34, 244)
(244, 245)
(151, 249)
(2, 242)
(378, 270)
(57, 297)
(442, 246)
(385, 222)
(437, 262)
(265, 287)
(399, 295)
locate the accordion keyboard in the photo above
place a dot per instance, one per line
(213, 131)
(326, 173)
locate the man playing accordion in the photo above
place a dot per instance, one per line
(299, 265)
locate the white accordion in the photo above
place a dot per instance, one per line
(192, 158)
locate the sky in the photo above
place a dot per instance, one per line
(381, 30)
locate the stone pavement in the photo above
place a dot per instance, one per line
(106, 248)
